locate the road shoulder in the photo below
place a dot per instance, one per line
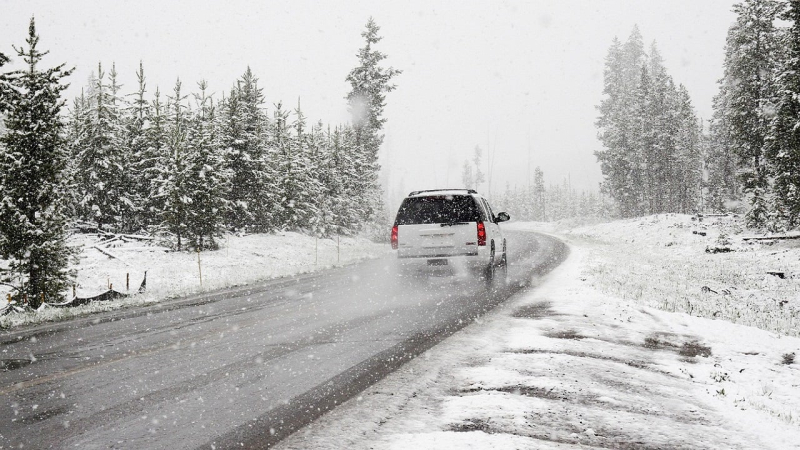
(564, 366)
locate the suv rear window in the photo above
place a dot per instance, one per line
(437, 209)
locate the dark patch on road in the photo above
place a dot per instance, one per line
(565, 334)
(694, 348)
(667, 341)
(654, 343)
(44, 415)
(586, 399)
(628, 362)
(473, 425)
(527, 391)
(13, 364)
(535, 311)
(570, 435)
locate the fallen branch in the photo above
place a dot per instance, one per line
(771, 238)
(137, 237)
(145, 249)
(110, 255)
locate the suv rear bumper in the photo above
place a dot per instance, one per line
(478, 259)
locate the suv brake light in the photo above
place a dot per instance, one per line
(481, 234)
(394, 237)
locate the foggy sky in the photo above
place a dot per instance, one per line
(523, 78)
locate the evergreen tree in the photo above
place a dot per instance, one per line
(319, 169)
(297, 186)
(539, 210)
(244, 137)
(207, 179)
(5, 90)
(347, 208)
(720, 160)
(642, 153)
(148, 165)
(369, 83)
(174, 171)
(686, 175)
(142, 163)
(33, 224)
(651, 155)
(784, 146)
(751, 60)
(617, 158)
(75, 131)
(102, 158)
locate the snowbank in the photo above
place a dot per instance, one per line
(240, 260)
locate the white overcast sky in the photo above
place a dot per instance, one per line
(521, 76)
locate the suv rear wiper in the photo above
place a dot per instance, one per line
(450, 224)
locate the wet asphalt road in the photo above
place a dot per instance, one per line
(237, 368)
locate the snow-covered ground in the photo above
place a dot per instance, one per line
(240, 260)
(662, 261)
(606, 352)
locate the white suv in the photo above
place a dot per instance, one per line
(449, 227)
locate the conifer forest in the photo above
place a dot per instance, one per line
(177, 163)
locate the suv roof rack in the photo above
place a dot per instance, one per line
(469, 191)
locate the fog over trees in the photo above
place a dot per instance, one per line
(186, 165)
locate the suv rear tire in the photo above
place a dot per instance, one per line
(489, 271)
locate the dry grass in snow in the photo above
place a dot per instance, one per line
(661, 261)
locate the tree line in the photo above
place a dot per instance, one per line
(186, 166)
(540, 203)
(754, 135)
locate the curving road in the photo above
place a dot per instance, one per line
(239, 367)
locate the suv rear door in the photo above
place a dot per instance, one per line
(438, 226)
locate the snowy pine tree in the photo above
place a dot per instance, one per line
(342, 187)
(75, 130)
(651, 158)
(244, 136)
(207, 180)
(148, 164)
(102, 158)
(784, 145)
(369, 83)
(174, 171)
(751, 60)
(33, 156)
(721, 162)
(297, 187)
(616, 130)
(686, 174)
(141, 163)
(539, 212)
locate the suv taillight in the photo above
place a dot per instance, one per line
(394, 237)
(481, 234)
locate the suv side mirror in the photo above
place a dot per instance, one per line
(502, 217)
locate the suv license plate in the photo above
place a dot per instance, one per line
(437, 262)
